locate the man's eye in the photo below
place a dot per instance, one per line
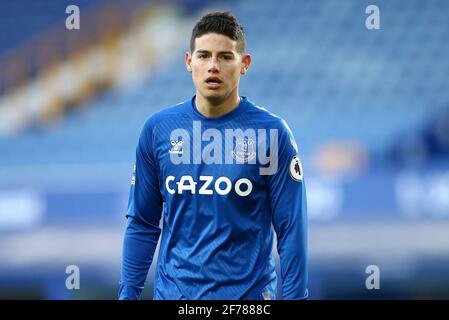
(227, 57)
(202, 56)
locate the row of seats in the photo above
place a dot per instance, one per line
(314, 63)
(22, 20)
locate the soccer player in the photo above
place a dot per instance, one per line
(223, 173)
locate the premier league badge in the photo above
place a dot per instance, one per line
(296, 169)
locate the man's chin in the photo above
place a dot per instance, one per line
(214, 98)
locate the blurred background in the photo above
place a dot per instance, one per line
(369, 109)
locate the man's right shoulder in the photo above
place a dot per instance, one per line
(167, 114)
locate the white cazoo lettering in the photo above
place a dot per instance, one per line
(228, 185)
(167, 181)
(249, 187)
(203, 189)
(222, 185)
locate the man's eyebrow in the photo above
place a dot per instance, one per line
(220, 52)
(226, 52)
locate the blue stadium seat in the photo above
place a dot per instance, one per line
(314, 63)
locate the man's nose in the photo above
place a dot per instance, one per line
(213, 65)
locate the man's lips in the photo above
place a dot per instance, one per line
(213, 82)
(213, 85)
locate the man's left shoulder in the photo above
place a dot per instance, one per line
(267, 117)
(272, 121)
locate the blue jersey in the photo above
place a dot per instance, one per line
(224, 186)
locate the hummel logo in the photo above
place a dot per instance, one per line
(176, 147)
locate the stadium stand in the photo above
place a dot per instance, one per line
(322, 83)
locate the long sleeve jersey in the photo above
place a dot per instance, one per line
(223, 187)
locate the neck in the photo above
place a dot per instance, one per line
(215, 108)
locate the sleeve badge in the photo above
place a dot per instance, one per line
(296, 169)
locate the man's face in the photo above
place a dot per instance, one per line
(216, 66)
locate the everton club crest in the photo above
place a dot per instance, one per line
(244, 150)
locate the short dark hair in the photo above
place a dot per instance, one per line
(224, 23)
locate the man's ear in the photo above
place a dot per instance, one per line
(246, 61)
(188, 61)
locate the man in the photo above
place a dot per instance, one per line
(222, 172)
